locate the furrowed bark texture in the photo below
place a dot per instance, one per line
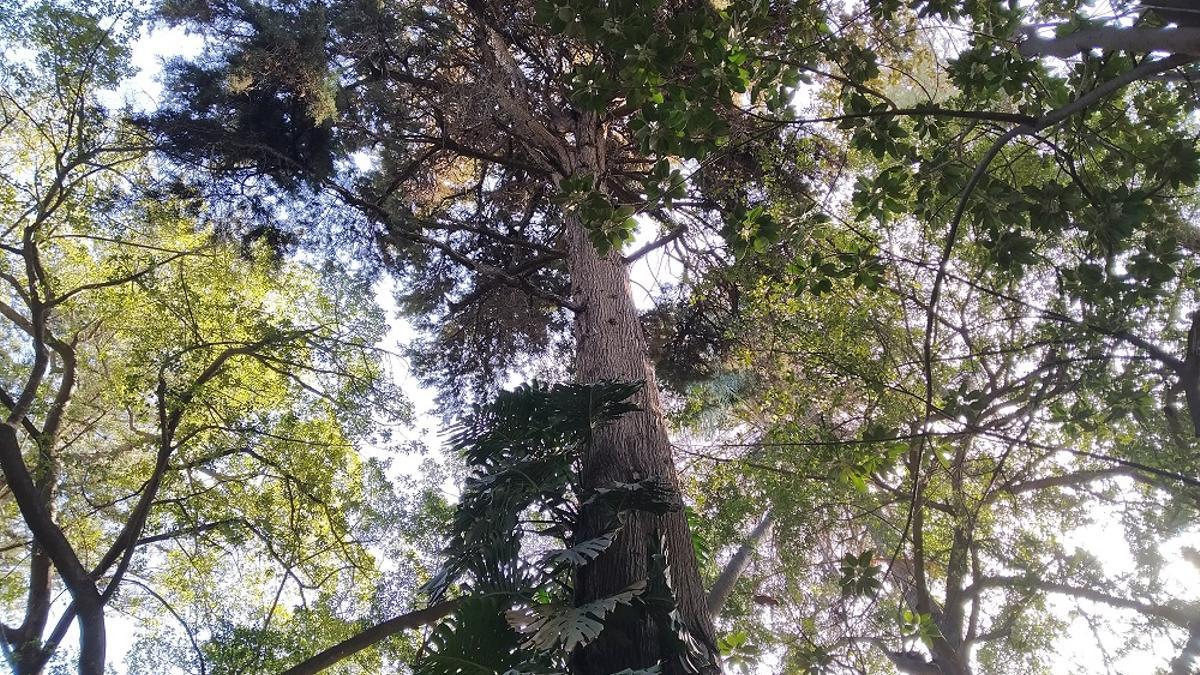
(611, 346)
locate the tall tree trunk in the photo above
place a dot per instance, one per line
(610, 345)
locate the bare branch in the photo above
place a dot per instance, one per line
(724, 584)
(675, 233)
(1174, 615)
(372, 636)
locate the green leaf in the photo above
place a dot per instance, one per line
(859, 576)
(583, 552)
(659, 600)
(474, 640)
(551, 626)
(651, 494)
(519, 450)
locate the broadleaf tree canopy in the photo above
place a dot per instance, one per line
(930, 324)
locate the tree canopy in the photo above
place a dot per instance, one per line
(919, 391)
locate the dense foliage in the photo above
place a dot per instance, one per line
(929, 337)
(190, 407)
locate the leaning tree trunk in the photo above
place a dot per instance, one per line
(610, 345)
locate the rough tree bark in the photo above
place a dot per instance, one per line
(610, 345)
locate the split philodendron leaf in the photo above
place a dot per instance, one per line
(553, 626)
(522, 451)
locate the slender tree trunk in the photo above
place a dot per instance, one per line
(610, 345)
(92, 638)
(737, 565)
(1190, 374)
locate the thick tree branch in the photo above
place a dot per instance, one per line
(725, 583)
(516, 103)
(1189, 372)
(50, 538)
(1132, 40)
(1174, 615)
(517, 272)
(8, 402)
(980, 115)
(675, 233)
(1077, 478)
(909, 663)
(189, 531)
(372, 636)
